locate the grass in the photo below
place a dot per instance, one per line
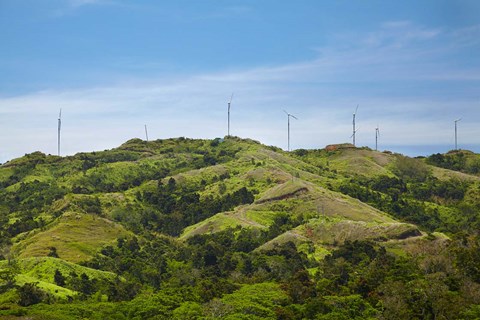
(297, 198)
(263, 217)
(297, 183)
(333, 231)
(52, 289)
(290, 188)
(218, 222)
(290, 236)
(317, 237)
(8, 299)
(360, 161)
(193, 178)
(446, 174)
(42, 270)
(77, 237)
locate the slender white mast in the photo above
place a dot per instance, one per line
(229, 103)
(377, 134)
(59, 128)
(288, 127)
(456, 146)
(354, 131)
(146, 133)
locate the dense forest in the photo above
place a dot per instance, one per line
(233, 229)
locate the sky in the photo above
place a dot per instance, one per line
(114, 66)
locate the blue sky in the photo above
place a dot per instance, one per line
(413, 67)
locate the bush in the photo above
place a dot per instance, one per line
(31, 294)
(411, 170)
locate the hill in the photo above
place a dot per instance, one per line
(179, 228)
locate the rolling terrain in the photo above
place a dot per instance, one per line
(324, 234)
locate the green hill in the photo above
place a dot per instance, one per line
(179, 228)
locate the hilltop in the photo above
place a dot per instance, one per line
(123, 229)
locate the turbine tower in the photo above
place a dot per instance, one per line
(146, 132)
(354, 130)
(288, 121)
(377, 134)
(456, 148)
(229, 103)
(59, 128)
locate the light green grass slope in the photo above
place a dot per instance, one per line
(77, 237)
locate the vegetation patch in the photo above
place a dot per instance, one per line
(76, 237)
(232, 229)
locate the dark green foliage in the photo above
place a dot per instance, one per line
(23, 166)
(53, 252)
(89, 204)
(32, 196)
(27, 203)
(410, 169)
(176, 208)
(237, 273)
(7, 276)
(59, 279)
(30, 294)
(409, 201)
(467, 251)
(463, 161)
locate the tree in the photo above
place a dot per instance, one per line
(412, 170)
(86, 285)
(30, 294)
(7, 275)
(257, 301)
(59, 278)
(53, 252)
(188, 311)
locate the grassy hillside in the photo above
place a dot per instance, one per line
(76, 237)
(183, 228)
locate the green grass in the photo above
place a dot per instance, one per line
(42, 270)
(297, 183)
(77, 237)
(213, 224)
(50, 288)
(290, 188)
(297, 198)
(334, 231)
(446, 174)
(313, 251)
(361, 162)
(8, 299)
(262, 217)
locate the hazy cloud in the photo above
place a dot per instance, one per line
(400, 75)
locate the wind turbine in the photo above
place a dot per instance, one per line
(288, 116)
(146, 132)
(354, 131)
(456, 132)
(377, 134)
(229, 103)
(59, 128)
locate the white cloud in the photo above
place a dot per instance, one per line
(400, 75)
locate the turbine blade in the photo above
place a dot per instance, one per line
(231, 98)
(291, 115)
